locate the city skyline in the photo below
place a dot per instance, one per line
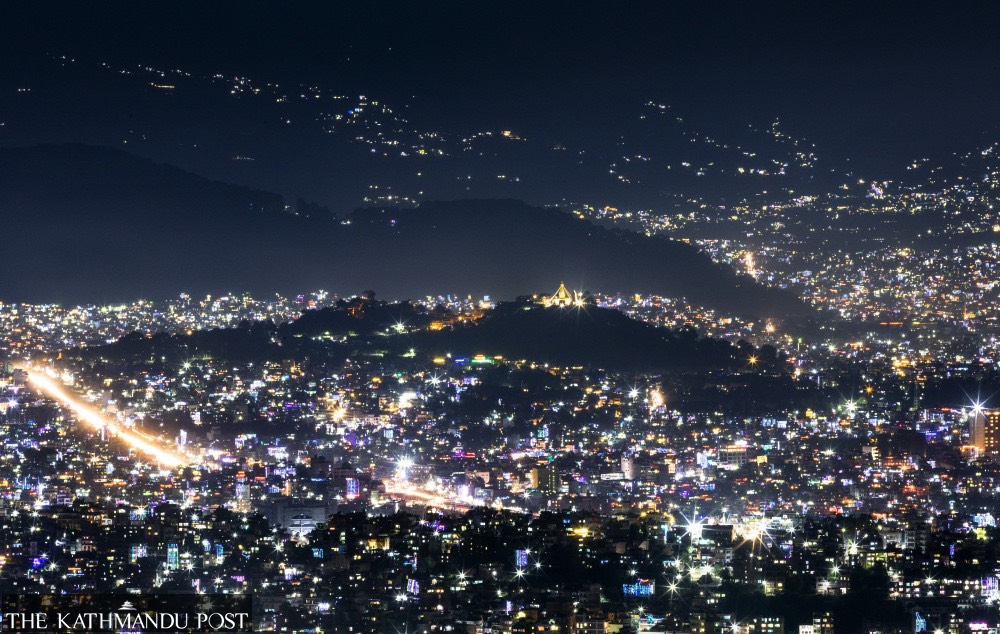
(503, 318)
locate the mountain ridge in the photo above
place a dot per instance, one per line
(70, 205)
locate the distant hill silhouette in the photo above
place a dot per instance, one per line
(585, 336)
(90, 224)
(505, 247)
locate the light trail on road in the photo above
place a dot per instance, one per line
(404, 491)
(98, 421)
(409, 492)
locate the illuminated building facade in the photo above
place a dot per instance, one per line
(563, 298)
(991, 434)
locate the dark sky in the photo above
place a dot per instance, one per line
(898, 74)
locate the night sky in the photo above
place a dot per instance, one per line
(857, 78)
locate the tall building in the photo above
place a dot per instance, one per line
(545, 479)
(977, 430)
(628, 467)
(991, 434)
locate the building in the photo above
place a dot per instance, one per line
(546, 479)
(991, 435)
(299, 518)
(563, 298)
(977, 430)
(767, 625)
(732, 457)
(628, 467)
(822, 623)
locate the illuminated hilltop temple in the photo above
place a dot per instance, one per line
(563, 298)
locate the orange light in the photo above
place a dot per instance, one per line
(93, 418)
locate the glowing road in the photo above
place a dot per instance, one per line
(406, 491)
(440, 500)
(95, 419)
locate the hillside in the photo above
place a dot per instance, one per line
(580, 336)
(588, 335)
(68, 209)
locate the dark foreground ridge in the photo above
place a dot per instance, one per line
(583, 336)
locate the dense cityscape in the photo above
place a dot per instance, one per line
(393, 487)
(658, 318)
